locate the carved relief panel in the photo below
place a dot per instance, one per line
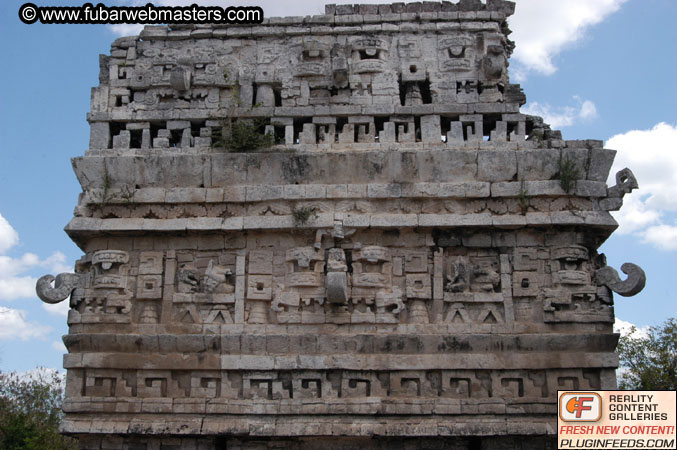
(473, 287)
(572, 297)
(204, 288)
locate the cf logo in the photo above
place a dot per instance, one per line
(580, 406)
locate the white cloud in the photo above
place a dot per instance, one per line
(59, 346)
(588, 110)
(634, 215)
(58, 309)
(126, 29)
(562, 116)
(543, 29)
(650, 211)
(15, 284)
(13, 288)
(8, 236)
(661, 236)
(625, 328)
(13, 325)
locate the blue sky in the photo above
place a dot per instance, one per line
(596, 69)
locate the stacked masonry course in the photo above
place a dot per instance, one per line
(412, 263)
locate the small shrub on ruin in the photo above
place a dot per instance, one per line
(568, 174)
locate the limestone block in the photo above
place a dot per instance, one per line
(178, 125)
(289, 135)
(308, 135)
(122, 140)
(99, 136)
(610, 204)
(496, 165)
(366, 133)
(149, 287)
(416, 262)
(549, 187)
(431, 128)
(419, 286)
(315, 191)
(500, 133)
(406, 133)
(295, 191)
(336, 191)
(601, 161)
(186, 139)
(579, 156)
(259, 287)
(387, 135)
(585, 188)
(265, 95)
(537, 164)
(160, 142)
(525, 258)
(261, 262)
(234, 194)
(185, 195)
(393, 220)
(525, 284)
(384, 190)
(337, 287)
(455, 133)
(347, 134)
(259, 193)
(327, 134)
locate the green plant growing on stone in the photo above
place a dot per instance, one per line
(104, 196)
(242, 135)
(303, 215)
(127, 194)
(523, 198)
(568, 174)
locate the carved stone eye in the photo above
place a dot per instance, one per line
(456, 51)
(369, 53)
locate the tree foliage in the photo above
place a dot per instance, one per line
(30, 412)
(649, 362)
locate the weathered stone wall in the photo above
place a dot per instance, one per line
(412, 264)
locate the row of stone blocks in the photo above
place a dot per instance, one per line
(324, 130)
(318, 442)
(426, 6)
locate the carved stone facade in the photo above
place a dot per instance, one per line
(402, 269)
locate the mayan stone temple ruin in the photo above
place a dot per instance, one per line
(333, 232)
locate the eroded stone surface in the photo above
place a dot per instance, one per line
(402, 262)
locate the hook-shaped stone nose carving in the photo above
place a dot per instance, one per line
(337, 276)
(64, 285)
(625, 183)
(180, 78)
(340, 71)
(608, 276)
